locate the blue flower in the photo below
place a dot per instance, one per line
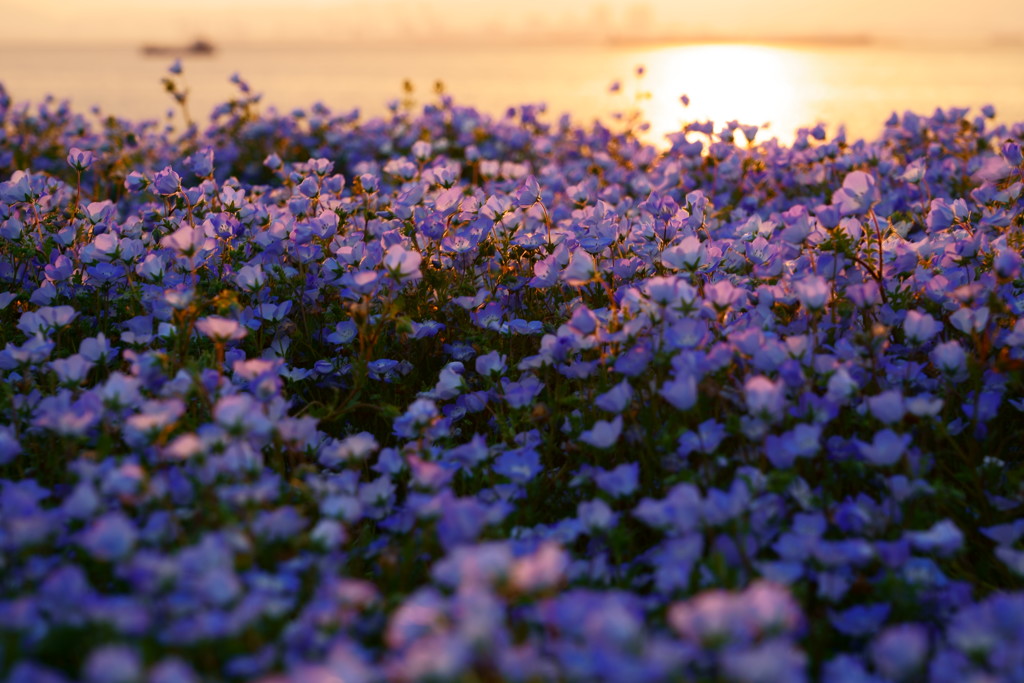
(943, 538)
(519, 465)
(886, 448)
(603, 434)
(899, 651)
(619, 482)
(110, 537)
(113, 664)
(860, 620)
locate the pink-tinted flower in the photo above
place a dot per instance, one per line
(541, 570)
(220, 329)
(581, 269)
(764, 398)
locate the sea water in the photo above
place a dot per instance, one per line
(785, 86)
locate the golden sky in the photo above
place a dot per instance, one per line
(133, 22)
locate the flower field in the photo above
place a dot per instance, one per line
(445, 396)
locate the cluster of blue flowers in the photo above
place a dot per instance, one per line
(441, 396)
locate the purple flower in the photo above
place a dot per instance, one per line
(529, 192)
(72, 370)
(241, 414)
(860, 620)
(581, 269)
(1008, 263)
(111, 537)
(167, 182)
(670, 291)
(519, 465)
(886, 448)
(521, 394)
(603, 434)
(1012, 153)
(250, 278)
(775, 660)
(706, 439)
(492, 364)
(887, 407)
(689, 254)
(615, 399)
(857, 195)
(420, 414)
(924, 405)
(450, 382)
(403, 264)
(899, 651)
(279, 524)
(201, 162)
(723, 294)
(10, 448)
(865, 294)
(969, 320)
(940, 215)
(121, 391)
(764, 398)
(920, 327)
(943, 538)
(113, 664)
(79, 159)
(186, 241)
(813, 292)
(46, 319)
(802, 441)
(596, 515)
(950, 358)
(798, 225)
(172, 670)
(619, 482)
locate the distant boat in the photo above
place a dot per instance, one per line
(199, 47)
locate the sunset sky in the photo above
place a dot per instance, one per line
(75, 22)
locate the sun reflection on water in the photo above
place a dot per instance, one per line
(752, 84)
